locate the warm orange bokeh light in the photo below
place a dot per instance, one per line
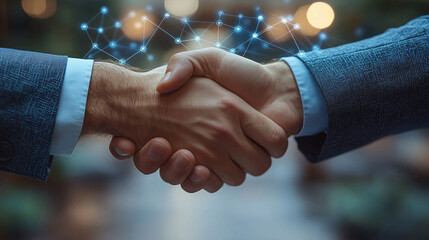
(39, 8)
(320, 15)
(181, 8)
(137, 25)
(301, 19)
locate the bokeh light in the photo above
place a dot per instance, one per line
(305, 27)
(40, 9)
(181, 8)
(320, 15)
(138, 25)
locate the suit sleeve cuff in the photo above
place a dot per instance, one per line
(315, 112)
(71, 108)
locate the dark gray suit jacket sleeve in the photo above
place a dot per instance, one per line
(372, 88)
(30, 89)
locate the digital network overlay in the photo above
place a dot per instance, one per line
(239, 34)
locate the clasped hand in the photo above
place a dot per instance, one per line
(206, 119)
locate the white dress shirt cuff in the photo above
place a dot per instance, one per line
(71, 108)
(315, 113)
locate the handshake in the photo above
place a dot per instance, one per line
(208, 118)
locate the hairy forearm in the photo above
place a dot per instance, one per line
(112, 91)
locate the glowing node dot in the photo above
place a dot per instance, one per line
(185, 20)
(255, 35)
(284, 20)
(197, 38)
(240, 15)
(232, 50)
(100, 30)
(166, 15)
(219, 23)
(122, 61)
(150, 57)
(118, 24)
(323, 36)
(316, 48)
(301, 53)
(218, 45)
(94, 45)
(220, 13)
(296, 26)
(269, 27)
(84, 26)
(113, 44)
(143, 49)
(104, 10)
(260, 18)
(144, 18)
(178, 41)
(238, 29)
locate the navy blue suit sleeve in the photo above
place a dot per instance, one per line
(372, 88)
(30, 89)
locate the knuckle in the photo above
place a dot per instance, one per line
(228, 103)
(222, 131)
(176, 57)
(278, 138)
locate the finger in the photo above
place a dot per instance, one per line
(122, 148)
(178, 167)
(250, 157)
(197, 180)
(228, 171)
(150, 158)
(264, 132)
(214, 184)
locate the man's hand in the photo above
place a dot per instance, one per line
(269, 88)
(221, 130)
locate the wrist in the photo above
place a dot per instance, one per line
(288, 96)
(111, 93)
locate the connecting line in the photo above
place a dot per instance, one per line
(92, 19)
(86, 55)
(126, 60)
(89, 36)
(293, 37)
(273, 45)
(157, 27)
(101, 50)
(202, 34)
(183, 29)
(224, 40)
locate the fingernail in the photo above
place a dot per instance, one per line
(181, 163)
(155, 153)
(195, 177)
(166, 77)
(120, 153)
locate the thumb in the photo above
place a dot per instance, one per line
(185, 65)
(179, 71)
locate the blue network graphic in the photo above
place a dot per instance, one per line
(239, 34)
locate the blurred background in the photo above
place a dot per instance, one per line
(378, 192)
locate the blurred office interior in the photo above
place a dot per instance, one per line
(380, 191)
